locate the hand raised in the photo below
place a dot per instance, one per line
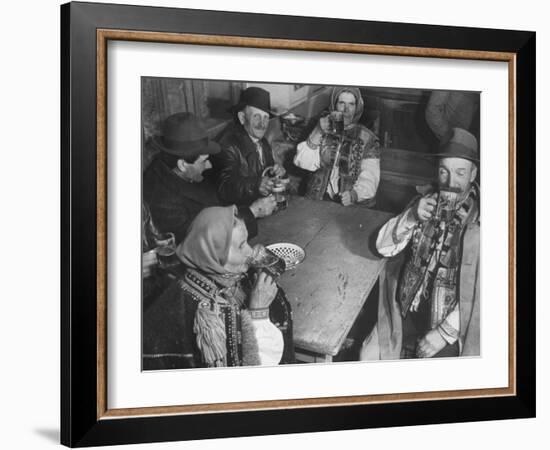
(149, 262)
(346, 198)
(324, 124)
(425, 208)
(263, 292)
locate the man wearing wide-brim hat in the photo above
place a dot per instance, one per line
(173, 185)
(429, 292)
(238, 170)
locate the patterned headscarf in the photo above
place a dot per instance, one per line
(359, 104)
(206, 246)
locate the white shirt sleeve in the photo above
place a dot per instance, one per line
(396, 233)
(307, 158)
(368, 180)
(270, 342)
(450, 326)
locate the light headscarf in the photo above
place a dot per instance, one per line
(359, 104)
(207, 244)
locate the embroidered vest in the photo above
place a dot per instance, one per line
(357, 144)
(218, 322)
(430, 272)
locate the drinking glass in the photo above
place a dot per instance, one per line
(166, 250)
(268, 262)
(337, 122)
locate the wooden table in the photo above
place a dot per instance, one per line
(328, 289)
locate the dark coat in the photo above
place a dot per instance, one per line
(174, 202)
(169, 339)
(237, 170)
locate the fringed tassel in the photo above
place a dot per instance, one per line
(251, 351)
(210, 331)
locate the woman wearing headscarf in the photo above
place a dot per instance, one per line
(346, 167)
(215, 315)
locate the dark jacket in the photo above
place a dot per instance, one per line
(174, 202)
(237, 170)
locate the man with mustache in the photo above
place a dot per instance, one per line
(429, 293)
(245, 153)
(174, 187)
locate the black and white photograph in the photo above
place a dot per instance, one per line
(296, 223)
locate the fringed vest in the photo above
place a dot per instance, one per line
(222, 326)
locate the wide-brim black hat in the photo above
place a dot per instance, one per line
(256, 97)
(184, 135)
(459, 143)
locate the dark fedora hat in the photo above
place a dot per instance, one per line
(184, 135)
(459, 143)
(256, 97)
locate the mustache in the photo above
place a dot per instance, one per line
(446, 188)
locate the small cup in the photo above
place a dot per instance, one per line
(446, 204)
(166, 250)
(279, 191)
(268, 262)
(337, 122)
(167, 257)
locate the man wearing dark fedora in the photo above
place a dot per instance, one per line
(429, 292)
(245, 152)
(173, 185)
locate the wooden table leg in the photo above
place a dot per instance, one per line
(305, 356)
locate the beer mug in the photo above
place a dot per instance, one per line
(166, 250)
(446, 203)
(280, 192)
(336, 120)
